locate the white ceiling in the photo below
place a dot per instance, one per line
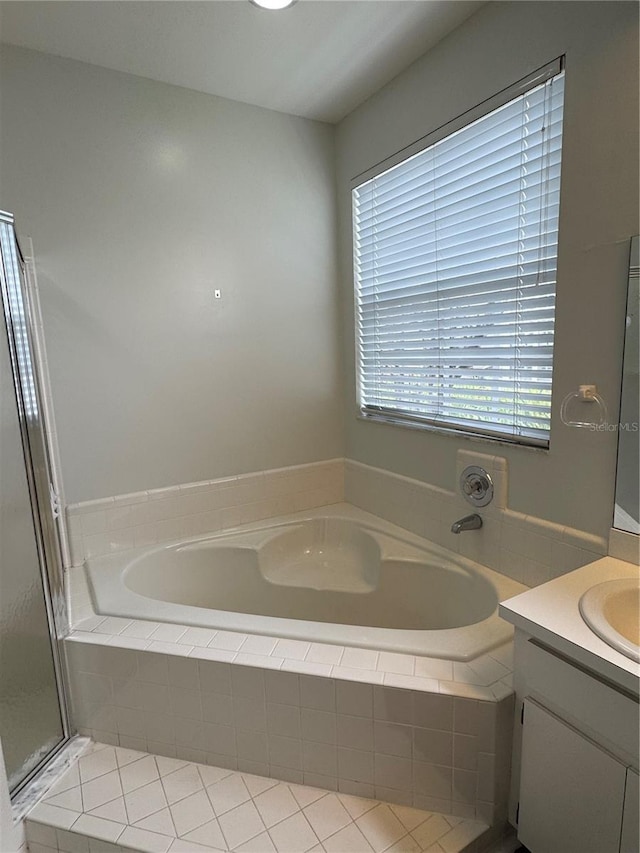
(319, 59)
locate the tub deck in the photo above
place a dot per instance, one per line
(488, 677)
(166, 584)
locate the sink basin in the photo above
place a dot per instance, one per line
(612, 610)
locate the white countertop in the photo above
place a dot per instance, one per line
(550, 613)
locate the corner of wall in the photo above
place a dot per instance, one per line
(527, 549)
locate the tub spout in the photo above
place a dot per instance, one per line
(469, 522)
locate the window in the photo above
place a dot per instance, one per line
(455, 247)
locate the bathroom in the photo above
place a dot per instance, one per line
(182, 178)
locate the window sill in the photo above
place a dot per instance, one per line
(453, 432)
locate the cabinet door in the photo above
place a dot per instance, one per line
(631, 816)
(571, 791)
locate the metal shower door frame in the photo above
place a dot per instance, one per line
(28, 392)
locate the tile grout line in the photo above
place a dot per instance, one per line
(215, 813)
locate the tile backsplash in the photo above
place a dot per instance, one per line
(161, 515)
(527, 549)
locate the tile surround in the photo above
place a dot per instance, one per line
(440, 745)
(527, 549)
(624, 546)
(485, 678)
(159, 515)
(120, 799)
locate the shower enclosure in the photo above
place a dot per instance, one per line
(33, 714)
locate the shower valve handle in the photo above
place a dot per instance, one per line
(476, 485)
(473, 485)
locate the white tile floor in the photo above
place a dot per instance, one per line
(136, 801)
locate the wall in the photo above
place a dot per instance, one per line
(141, 198)
(11, 834)
(627, 486)
(571, 484)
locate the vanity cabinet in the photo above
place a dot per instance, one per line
(575, 774)
(572, 792)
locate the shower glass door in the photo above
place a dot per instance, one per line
(32, 715)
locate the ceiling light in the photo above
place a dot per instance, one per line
(273, 4)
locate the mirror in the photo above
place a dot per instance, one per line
(626, 511)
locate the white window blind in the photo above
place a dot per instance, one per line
(455, 271)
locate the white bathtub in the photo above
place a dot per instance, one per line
(334, 575)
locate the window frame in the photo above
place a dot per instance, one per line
(406, 419)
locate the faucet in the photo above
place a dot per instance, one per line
(469, 522)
